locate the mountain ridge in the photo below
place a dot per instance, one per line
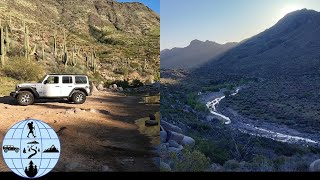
(196, 53)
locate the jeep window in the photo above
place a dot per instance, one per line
(53, 80)
(81, 80)
(66, 79)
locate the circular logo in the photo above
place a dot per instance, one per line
(31, 148)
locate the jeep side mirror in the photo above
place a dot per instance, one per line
(45, 82)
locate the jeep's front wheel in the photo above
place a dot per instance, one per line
(25, 98)
(78, 97)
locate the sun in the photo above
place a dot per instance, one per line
(289, 8)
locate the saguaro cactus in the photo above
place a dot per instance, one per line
(65, 49)
(42, 50)
(55, 44)
(93, 60)
(74, 59)
(2, 52)
(10, 24)
(26, 44)
(7, 40)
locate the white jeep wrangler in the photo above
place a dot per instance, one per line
(54, 86)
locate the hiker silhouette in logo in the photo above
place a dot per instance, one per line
(31, 129)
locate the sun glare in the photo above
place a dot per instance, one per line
(289, 8)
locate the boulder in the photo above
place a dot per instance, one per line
(114, 86)
(169, 127)
(163, 136)
(175, 136)
(120, 89)
(174, 144)
(173, 150)
(94, 88)
(188, 141)
(152, 117)
(151, 123)
(100, 87)
(164, 167)
(315, 166)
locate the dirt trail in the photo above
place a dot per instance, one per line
(105, 140)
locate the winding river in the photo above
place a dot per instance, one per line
(255, 130)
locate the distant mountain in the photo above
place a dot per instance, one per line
(194, 55)
(283, 65)
(290, 47)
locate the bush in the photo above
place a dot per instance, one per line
(227, 93)
(191, 161)
(122, 70)
(232, 165)
(193, 101)
(123, 84)
(20, 69)
(136, 83)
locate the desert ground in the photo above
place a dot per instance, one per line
(100, 135)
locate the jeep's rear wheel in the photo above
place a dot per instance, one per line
(78, 97)
(25, 98)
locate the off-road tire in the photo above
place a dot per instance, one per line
(25, 98)
(78, 97)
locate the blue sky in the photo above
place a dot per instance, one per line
(152, 4)
(222, 20)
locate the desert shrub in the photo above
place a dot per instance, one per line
(135, 65)
(136, 83)
(157, 76)
(191, 161)
(216, 151)
(20, 69)
(96, 77)
(61, 68)
(122, 70)
(107, 83)
(262, 164)
(227, 93)
(232, 165)
(193, 101)
(200, 127)
(123, 84)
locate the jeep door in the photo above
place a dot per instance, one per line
(66, 86)
(52, 87)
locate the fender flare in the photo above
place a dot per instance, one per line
(78, 89)
(32, 89)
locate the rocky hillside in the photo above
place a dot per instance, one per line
(194, 55)
(103, 38)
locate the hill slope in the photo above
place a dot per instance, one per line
(289, 47)
(192, 56)
(124, 36)
(284, 61)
